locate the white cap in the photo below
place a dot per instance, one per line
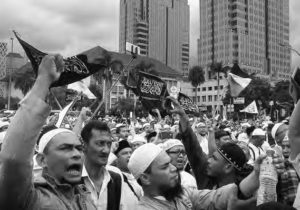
(228, 130)
(120, 125)
(171, 143)
(142, 158)
(146, 124)
(201, 124)
(275, 128)
(245, 125)
(138, 138)
(258, 132)
(47, 137)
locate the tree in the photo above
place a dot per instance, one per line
(24, 78)
(106, 77)
(196, 77)
(280, 93)
(123, 107)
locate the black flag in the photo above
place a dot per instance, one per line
(76, 67)
(187, 104)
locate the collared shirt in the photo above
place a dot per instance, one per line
(99, 199)
(255, 152)
(188, 181)
(289, 181)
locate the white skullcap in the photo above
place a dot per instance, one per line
(275, 128)
(141, 159)
(245, 125)
(138, 138)
(119, 125)
(167, 127)
(146, 124)
(286, 138)
(171, 143)
(228, 130)
(47, 137)
(201, 124)
(258, 132)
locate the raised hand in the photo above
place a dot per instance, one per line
(84, 114)
(50, 68)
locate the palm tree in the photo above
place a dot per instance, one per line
(217, 68)
(24, 78)
(196, 77)
(106, 77)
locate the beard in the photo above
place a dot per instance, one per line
(173, 192)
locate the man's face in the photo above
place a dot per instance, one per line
(123, 158)
(286, 150)
(124, 133)
(163, 174)
(216, 165)
(202, 130)
(98, 148)
(259, 140)
(224, 139)
(136, 145)
(178, 157)
(64, 158)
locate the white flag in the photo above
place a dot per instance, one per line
(81, 88)
(63, 113)
(237, 84)
(251, 108)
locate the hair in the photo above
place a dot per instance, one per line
(118, 130)
(86, 132)
(147, 171)
(220, 133)
(45, 130)
(250, 130)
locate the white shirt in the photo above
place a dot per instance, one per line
(188, 181)
(255, 152)
(203, 143)
(128, 200)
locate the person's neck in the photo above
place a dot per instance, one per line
(94, 171)
(150, 192)
(225, 180)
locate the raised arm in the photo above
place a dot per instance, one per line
(19, 143)
(83, 116)
(196, 156)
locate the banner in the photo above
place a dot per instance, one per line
(64, 112)
(237, 80)
(187, 104)
(80, 87)
(75, 68)
(251, 108)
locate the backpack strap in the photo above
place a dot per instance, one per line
(252, 150)
(130, 186)
(114, 191)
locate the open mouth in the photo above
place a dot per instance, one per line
(75, 169)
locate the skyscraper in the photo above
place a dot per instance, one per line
(159, 27)
(250, 32)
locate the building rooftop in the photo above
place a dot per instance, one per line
(14, 55)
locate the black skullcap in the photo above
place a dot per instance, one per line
(233, 154)
(122, 145)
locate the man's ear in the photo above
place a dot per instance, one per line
(41, 160)
(145, 179)
(228, 168)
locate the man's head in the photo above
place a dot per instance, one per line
(176, 152)
(122, 131)
(123, 153)
(201, 128)
(279, 132)
(97, 142)
(225, 161)
(60, 153)
(258, 137)
(222, 137)
(154, 171)
(138, 141)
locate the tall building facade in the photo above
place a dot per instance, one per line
(159, 27)
(252, 33)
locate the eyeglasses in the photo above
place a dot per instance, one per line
(177, 152)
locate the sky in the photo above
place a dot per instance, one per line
(72, 26)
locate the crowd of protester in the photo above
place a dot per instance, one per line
(178, 162)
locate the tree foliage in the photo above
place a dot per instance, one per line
(196, 76)
(24, 78)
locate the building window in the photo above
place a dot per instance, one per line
(203, 98)
(209, 88)
(198, 89)
(209, 98)
(216, 98)
(204, 89)
(216, 87)
(198, 98)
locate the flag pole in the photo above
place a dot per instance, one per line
(114, 84)
(56, 101)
